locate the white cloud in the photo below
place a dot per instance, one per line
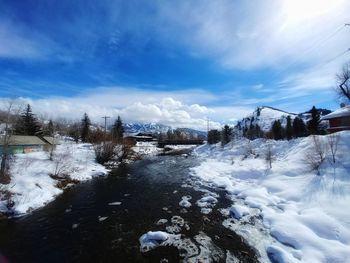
(135, 105)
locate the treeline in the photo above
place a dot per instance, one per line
(224, 136)
(177, 134)
(27, 123)
(293, 129)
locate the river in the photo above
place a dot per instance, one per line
(88, 224)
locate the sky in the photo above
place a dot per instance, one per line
(172, 62)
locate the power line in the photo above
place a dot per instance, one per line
(335, 57)
(312, 47)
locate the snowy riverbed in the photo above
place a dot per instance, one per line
(298, 215)
(32, 187)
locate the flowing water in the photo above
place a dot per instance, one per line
(81, 225)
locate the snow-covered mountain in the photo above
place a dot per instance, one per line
(264, 116)
(134, 128)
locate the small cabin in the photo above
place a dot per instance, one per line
(26, 144)
(339, 120)
(50, 143)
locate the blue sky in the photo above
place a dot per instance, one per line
(172, 62)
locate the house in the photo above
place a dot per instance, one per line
(339, 120)
(25, 144)
(51, 142)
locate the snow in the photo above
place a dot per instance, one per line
(238, 211)
(207, 202)
(152, 239)
(342, 112)
(147, 148)
(297, 215)
(185, 201)
(31, 184)
(115, 203)
(266, 117)
(202, 250)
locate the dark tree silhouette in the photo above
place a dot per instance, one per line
(277, 130)
(27, 124)
(213, 136)
(299, 129)
(118, 130)
(314, 122)
(289, 128)
(226, 134)
(85, 128)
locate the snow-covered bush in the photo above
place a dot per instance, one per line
(62, 165)
(105, 152)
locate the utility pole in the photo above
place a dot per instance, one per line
(105, 117)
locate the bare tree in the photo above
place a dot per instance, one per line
(9, 119)
(333, 142)
(343, 78)
(317, 153)
(62, 165)
(269, 155)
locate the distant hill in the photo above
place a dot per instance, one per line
(264, 116)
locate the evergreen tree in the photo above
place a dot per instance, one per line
(49, 129)
(170, 134)
(213, 136)
(118, 129)
(85, 128)
(27, 124)
(74, 131)
(299, 129)
(314, 122)
(258, 110)
(289, 128)
(226, 134)
(259, 133)
(277, 131)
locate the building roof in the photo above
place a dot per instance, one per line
(50, 140)
(342, 112)
(23, 140)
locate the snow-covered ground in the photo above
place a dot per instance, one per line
(152, 149)
(147, 148)
(31, 185)
(290, 212)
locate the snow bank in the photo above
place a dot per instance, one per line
(305, 216)
(31, 184)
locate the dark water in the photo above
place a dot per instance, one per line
(144, 188)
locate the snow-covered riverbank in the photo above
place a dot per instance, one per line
(32, 186)
(298, 216)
